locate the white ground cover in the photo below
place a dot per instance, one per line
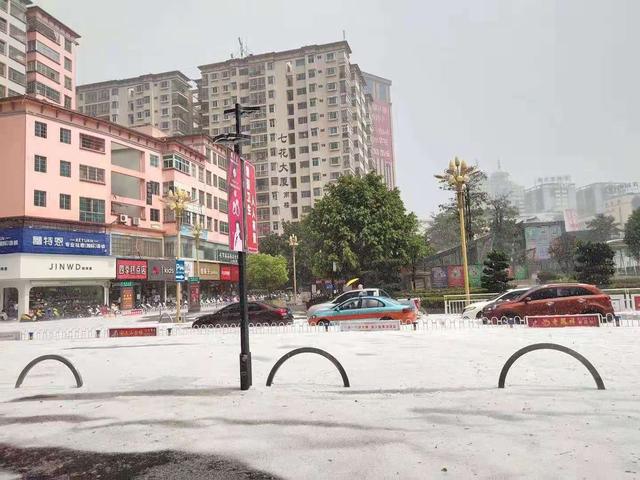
(420, 402)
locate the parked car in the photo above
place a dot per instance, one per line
(259, 312)
(364, 308)
(474, 310)
(371, 292)
(554, 299)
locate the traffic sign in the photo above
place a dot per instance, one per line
(179, 270)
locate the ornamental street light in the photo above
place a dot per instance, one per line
(246, 377)
(293, 243)
(458, 175)
(196, 231)
(177, 201)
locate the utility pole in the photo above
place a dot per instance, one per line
(293, 243)
(246, 378)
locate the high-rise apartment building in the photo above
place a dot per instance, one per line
(162, 100)
(592, 199)
(500, 185)
(13, 47)
(51, 65)
(382, 127)
(314, 125)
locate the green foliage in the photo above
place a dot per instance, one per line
(603, 228)
(273, 244)
(563, 251)
(547, 277)
(360, 225)
(632, 233)
(594, 263)
(495, 275)
(418, 249)
(502, 220)
(266, 272)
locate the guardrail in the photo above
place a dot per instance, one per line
(426, 324)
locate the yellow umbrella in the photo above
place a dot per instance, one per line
(351, 282)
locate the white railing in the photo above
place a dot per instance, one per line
(456, 303)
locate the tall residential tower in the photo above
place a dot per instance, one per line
(314, 125)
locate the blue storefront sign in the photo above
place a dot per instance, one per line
(36, 240)
(180, 271)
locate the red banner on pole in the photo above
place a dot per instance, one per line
(234, 187)
(250, 198)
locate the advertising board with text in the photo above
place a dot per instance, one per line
(250, 200)
(234, 189)
(131, 269)
(32, 240)
(557, 321)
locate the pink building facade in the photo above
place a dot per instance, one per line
(82, 205)
(51, 58)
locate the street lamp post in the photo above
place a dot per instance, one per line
(196, 230)
(177, 200)
(246, 377)
(458, 175)
(293, 243)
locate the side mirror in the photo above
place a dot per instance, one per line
(527, 299)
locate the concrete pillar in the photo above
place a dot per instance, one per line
(106, 294)
(23, 298)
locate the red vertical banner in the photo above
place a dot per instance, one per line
(234, 187)
(250, 199)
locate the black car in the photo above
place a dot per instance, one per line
(258, 313)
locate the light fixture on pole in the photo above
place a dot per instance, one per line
(246, 377)
(457, 176)
(196, 231)
(177, 201)
(293, 243)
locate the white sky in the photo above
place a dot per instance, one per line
(547, 86)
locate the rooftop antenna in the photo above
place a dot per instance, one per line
(344, 35)
(499, 165)
(244, 49)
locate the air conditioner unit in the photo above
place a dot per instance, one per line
(122, 218)
(135, 221)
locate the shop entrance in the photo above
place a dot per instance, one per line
(10, 302)
(67, 301)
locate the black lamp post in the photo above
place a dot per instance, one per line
(245, 352)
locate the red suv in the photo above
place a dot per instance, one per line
(556, 299)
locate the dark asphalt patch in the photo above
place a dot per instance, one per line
(61, 463)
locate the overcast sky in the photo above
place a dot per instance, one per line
(547, 87)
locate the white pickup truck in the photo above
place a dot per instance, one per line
(370, 292)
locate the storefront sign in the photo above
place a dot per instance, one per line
(126, 298)
(234, 186)
(229, 273)
(251, 205)
(64, 266)
(194, 279)
(209, 271)
(551, 321)
(128, 269)
(179, 271)
(636, 302)
(369, 326)
(32, 240)
(226, 256)
(133, 332)
(161, 270)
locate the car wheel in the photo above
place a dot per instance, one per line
(385, 318)
(322, 323)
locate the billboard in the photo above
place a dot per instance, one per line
(439, 277)
(250, 200)
(475, 275)
(234, 186)
(540, 237)
(455, 275)
(131, 269)
(161, 270)
(38, 240)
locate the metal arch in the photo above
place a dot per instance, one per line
(550, 346)
(318, 351)
(42, 358)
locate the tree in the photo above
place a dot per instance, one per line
(272, 244)
(563, 251)
(357, 224)
(594, 263)
(603, 228)
(266, 272)
(495, 275)
(632, 234)
(418, 249)
(443, 230)
(502, 217)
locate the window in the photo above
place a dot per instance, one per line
(68, 83)
(91, 210)
(154, 160)
(330, 56)
(209, 223)
(333, 131)
(154, 214)
(332, 100)
(304, 179)
(91, 174)
(315, 162)
(67, 64)
(305, 193)
(37, 46)
(317, 192)
(65, 168)
(90, 142)
(313, 117)
(40, 164)
(334, 145)
(41, 130)
(209, 200)
(176, 162)
(208, 178)
(224, 228)
(316, 177)
(301, 76)
(543, 294)
(223, 205)
(331, 87)
(67, 45)
(331, 71)
(302, 120)
(39, 198)
(65, 201)
(65, 135)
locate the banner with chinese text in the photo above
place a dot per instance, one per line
(234, 188)
(250, 199)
